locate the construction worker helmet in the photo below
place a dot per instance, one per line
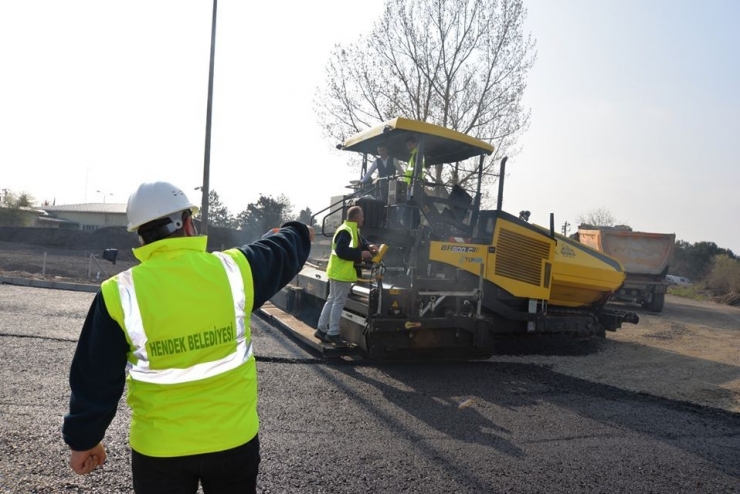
(154, 200)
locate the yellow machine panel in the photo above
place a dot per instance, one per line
(581, 275)
(469, 257)
(521, 260)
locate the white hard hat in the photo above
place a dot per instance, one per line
(153, 200)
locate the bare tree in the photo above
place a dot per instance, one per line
(597, 217)
(461, 64)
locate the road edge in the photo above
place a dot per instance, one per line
(54, 285)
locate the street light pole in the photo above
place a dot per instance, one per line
(207, 159)
(104, 194)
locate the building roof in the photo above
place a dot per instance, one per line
(49, 219)
(90, 207)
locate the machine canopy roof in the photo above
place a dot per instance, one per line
(441, 145)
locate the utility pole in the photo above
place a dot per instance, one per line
(565, 229)
(207, 159)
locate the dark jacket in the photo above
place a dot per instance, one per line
(344, 251)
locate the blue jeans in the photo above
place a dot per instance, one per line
(331, 314)
(224, 472)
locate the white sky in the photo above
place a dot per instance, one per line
(635, 105)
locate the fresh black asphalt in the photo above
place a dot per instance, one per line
(357, 427)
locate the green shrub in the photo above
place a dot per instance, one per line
(724, 274)
(723, 279)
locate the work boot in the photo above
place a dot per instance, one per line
(335, 339)
(320, 335)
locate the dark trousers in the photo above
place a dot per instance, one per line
(225, 472)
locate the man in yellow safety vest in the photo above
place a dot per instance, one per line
(348, 247)
(178, 325)
(412, 147)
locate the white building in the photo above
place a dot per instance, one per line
(89, 216)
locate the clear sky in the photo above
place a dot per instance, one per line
(635, 105)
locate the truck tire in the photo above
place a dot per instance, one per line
(658, 302)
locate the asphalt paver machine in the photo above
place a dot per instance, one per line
(452, 278)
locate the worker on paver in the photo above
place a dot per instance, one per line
(179, 324)
(385, 165)
(412, 146)
(348, 247)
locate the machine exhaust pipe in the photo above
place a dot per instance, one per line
(552, 225)
(501, 174)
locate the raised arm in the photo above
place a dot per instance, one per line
(276, 259)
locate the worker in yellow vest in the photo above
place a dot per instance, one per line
(412, 147)
(348, 247)
(178, 325)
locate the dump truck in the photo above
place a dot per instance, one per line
(452, 278)
(644, 255)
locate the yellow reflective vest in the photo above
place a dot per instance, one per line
(192, 378)
(341, 269)
(410, 166)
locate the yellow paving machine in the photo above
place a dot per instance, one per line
(452, 278)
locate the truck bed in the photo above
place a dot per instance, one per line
(641, 253)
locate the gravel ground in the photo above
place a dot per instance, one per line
(688, 352)
(352, 427)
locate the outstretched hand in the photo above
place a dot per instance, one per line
(84, 462)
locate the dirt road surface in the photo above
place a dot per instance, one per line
(688, 352)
